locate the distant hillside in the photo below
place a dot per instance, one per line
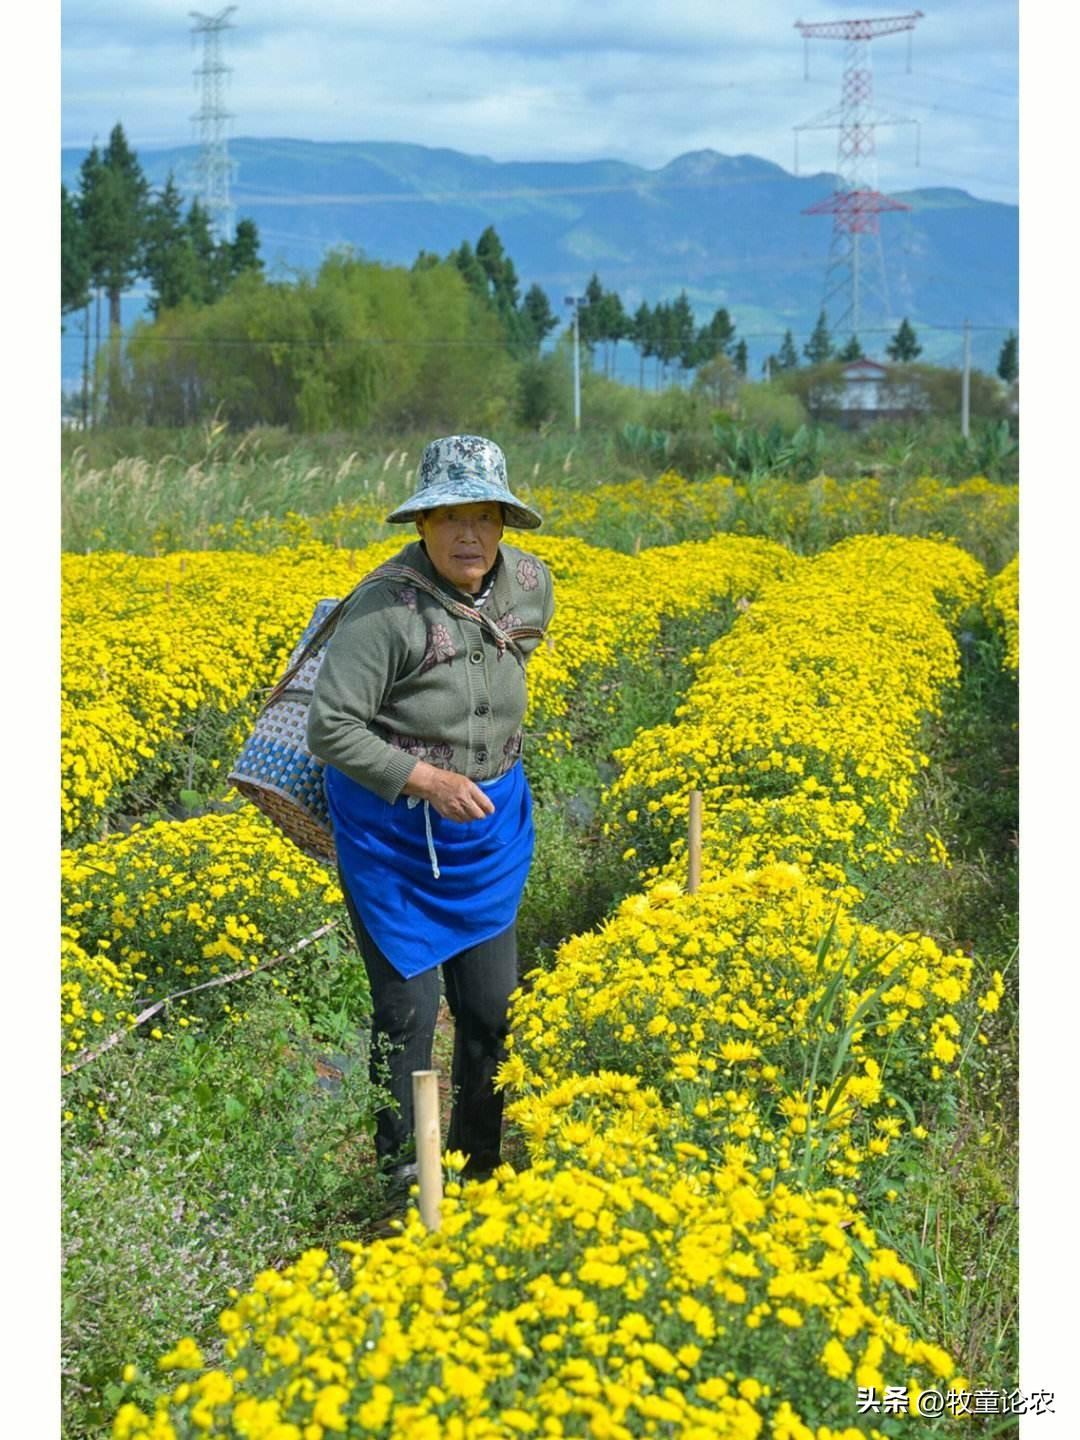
(728, 229)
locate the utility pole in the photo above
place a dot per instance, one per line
(849, 281)
(965, 384)
(576, 301)
(213, 169)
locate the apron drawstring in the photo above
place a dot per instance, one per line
(415, 800)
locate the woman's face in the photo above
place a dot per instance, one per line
(462, 541)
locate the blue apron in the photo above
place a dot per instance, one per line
(428, 888)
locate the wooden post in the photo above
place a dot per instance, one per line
(693, 878)
(428, 1158)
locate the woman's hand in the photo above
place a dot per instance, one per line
(454, 796)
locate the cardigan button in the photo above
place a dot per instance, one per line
(476, 657)
(481, 757)
(483, 708)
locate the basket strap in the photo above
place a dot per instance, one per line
(391, 571)
(320, 636)
(502, 638)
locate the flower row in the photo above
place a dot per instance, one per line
(812, 513)
(803, 726)
(694, 1081)
(151, 646)
(1003, 611)
(759, 1008)
(568, 1303)
(173, 905)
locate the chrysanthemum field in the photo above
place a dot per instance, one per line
(761, 1137)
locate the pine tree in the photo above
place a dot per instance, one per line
(851, 351)
(700, 350)
(641, 335)
(475, 276)
(665, 344)
(168, 260)
(91, 205)
(494, 260)
(209, 263)
(538, 312)
(122, 216)
(721, 330)
(244, 250)
(788, 358)
(903, 346)
(112, 207)
(741, 358)
(591, 314)
(74, 257)
(614, 326)
(682, 320)
(819, 347)
(1008, 366)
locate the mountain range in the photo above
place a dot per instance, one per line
(729, 229)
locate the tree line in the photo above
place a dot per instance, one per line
(359, 342)
(902, 349)
(115, 230)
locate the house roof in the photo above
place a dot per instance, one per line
(860, 369)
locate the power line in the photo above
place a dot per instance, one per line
(373, 341)
(952, 110)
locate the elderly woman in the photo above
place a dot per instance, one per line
(417, 713)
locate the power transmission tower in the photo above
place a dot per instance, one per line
(855, 283)
(213, 169)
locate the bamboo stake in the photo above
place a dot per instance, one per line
(428, 1158)
(693, 879)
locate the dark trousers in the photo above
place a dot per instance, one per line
(478, 983)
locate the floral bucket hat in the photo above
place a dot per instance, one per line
(460, 470)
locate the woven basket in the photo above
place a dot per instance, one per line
(275, 770)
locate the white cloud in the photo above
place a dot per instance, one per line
(631, 81)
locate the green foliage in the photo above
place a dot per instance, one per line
(851, 351)
(361, 344)
(537, 308)
(117, 219)
(606, 405)
(679, 410)
(578, 873)
(788, 358)
(1008, 366)
(718, 380)
(753, 454)
(819, 347)
(74, 256)
(543, 390)
(765, 405)
(220, 1155)
(940, 388)
(904, 345)
(955, 1216)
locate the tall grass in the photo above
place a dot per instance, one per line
(216, 490)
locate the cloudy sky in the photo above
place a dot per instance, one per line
(567, 80)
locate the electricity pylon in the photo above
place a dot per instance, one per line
(855, 282)
(213, 169)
